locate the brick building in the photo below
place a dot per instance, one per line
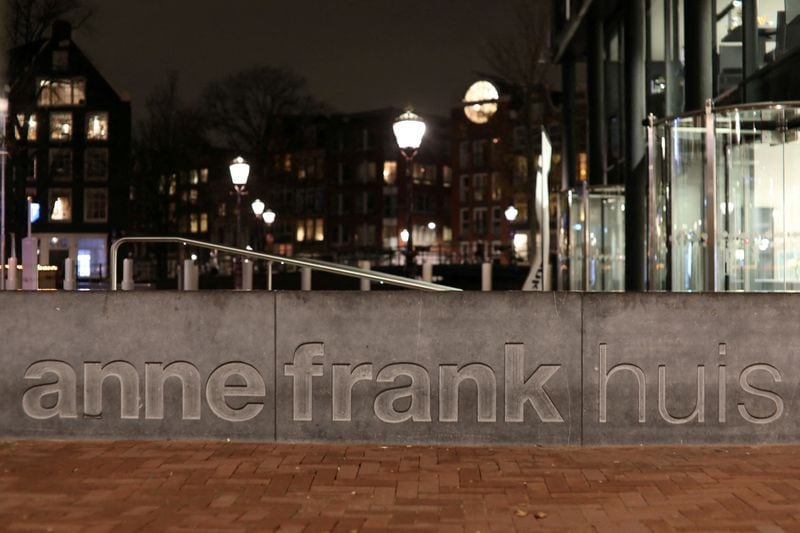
(69, 141)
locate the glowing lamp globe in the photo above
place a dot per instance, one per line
(240, 171)
(409, 130)
(480, 102)
(258, 207)
(404, 235)
(269, 216)
(511, 213)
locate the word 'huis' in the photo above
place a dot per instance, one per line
(244, 383)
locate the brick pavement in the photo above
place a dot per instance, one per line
(182, 486)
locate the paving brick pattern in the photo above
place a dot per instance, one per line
(204, 486)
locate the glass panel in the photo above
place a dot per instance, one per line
(751, 243)
(687, 145)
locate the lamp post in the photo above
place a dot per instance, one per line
(258, 209)
(511, 213)
(408, 131)
(3, 158)
(269, 217)
(240, 171)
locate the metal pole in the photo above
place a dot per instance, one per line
(699, 75)
(750, 55)
(409, 218)
(3, 159)
(585, 244)
(269, 275)
(635, 146)
(652, 242)
(710, 201)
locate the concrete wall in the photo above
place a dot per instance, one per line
(402, 367)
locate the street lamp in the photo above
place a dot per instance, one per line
(511, 213)
(240, 171)
(408, 131)
(258, 207)
(269, 217)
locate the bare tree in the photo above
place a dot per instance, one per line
(520, 57)
(255, 111)
(28, 20)
(169, 138)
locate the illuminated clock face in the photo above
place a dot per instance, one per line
(480, 102)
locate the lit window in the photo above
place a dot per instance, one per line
(95, 205)
(60, 205)
(22, 126)
(319, 230)
(96, 164)
(60, 126)
(193, 196)
(97, 126)
(203, 175)
(447, 176)
(389, 172)
(60, 163)
(300, 235)
(62, 92)
(194, 177)
(203, 222)
(497, 190)
(194, 223)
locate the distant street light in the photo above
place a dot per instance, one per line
(511, 213)
(258, 207)
(431, 225)
(408, 131)
(269, 217)
(240, 171)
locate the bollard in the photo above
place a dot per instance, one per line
(195, 277)
(30, 264)
(11, 281)
(127, 274)
(365, 283)
(305, 279)
(186, 272)
(69, 275)
(179, 276)
(427, 271)
(247, 275)
(486, 277)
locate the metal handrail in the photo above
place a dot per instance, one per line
(322, 266)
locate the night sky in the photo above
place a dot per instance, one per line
(356, 54)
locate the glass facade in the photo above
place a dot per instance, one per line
(746, 177)
(602, 215)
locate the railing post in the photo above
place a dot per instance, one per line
(710, 200)
(127, 274)
(247, 275)
(188, 275)
(364, 283)
(427, 271)
(11, 282)
(305, 279)
(69, 275)
(486, 276)
(269, 275)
